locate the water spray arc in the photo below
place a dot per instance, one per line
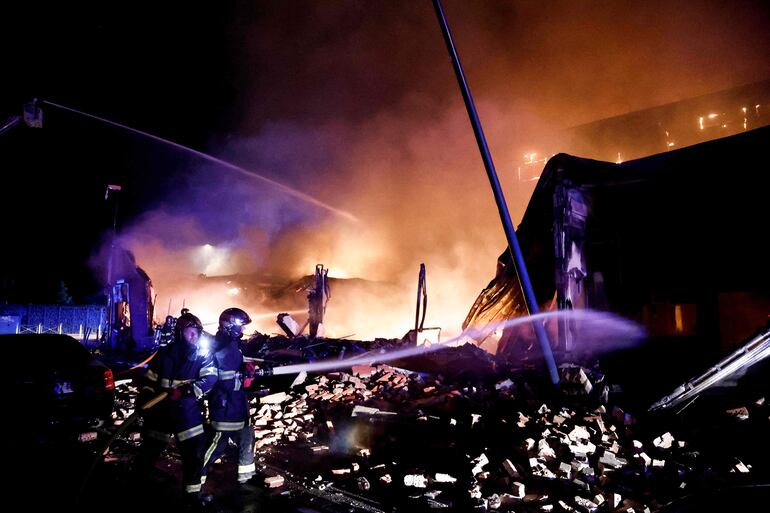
(223, 163)
(596, 325)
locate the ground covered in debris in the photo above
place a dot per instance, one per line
(462, 432)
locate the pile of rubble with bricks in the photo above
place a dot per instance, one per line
(573, 452)
(499, 440)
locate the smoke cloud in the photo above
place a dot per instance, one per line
(356, 104)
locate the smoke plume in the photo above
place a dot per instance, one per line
(357, 106)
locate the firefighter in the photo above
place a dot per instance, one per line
(228, 402)
(187, 373)
(167, 331)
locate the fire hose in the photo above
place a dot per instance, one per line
(140, 364)
(122, 429)
(266, 371)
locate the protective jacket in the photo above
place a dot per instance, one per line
(228, 404)
(175, 364)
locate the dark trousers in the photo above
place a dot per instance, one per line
(243, 438)
(191, 451)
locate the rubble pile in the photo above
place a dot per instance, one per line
(430, 443)
(382, 438)
(285, 350)
(125, 397)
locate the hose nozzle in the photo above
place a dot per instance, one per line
(260, 373)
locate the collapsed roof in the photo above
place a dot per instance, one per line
(678, 228)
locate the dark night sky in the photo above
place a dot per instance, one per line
(205, 74)
(164, 68)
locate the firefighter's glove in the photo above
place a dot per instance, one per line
(175, 394)
(179, 392)
(249, 368)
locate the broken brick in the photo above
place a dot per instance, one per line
(479, 463)
(585, 504)
(741, 413)
(274, 481)
(363, 371)
(510, 468)
(88, 436)
(416, 480)
(664, 441)
(274, 398)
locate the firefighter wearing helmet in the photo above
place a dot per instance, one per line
(185, 321)
(186, 373)
(228, 402)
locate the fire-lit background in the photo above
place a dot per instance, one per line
(353, 103)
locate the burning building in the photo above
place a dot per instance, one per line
(658, 129)
(671, 240)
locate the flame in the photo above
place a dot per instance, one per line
(669, 143)
(382, 306)
(417, 205)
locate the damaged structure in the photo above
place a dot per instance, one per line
(130, 306)
(671, 241)
(463, 430)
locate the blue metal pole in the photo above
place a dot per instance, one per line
(502, 207)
